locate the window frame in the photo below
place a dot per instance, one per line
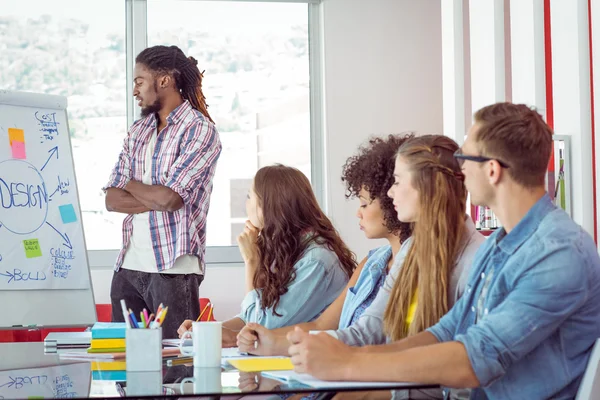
(136, 39)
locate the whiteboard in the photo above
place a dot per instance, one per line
(44, 269)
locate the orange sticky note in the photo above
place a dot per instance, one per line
(18, 150)
(15, 134)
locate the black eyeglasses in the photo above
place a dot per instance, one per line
(460, 157)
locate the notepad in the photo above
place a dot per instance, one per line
(309, 380)
(262, 364)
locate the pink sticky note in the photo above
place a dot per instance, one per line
(18, 150)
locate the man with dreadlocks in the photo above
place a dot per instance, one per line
(163, 181)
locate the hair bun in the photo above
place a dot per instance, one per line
(193, 60)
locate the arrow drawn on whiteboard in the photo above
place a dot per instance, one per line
(53, 193)
(52, 151)
(65, 237)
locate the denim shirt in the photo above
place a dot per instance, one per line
(531, 311)
(370, 276)
(319, 281)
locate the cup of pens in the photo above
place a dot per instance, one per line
(143, 339)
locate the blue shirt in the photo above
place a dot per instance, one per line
(371, 278)
(531, 310)
(319, 280)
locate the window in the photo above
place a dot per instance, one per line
(256, 61)
(256, 81)
(76, 49)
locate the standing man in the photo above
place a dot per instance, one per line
(163, 181)
(530, 314)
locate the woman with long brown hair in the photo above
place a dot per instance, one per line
(296, 263)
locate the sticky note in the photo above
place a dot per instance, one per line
(67, 213)
(15, 134)
(32, 248)
(262, 364)
(18, 150)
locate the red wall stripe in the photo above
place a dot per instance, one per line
(548, 62)
(593, 130)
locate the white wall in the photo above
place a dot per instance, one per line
(383, 74)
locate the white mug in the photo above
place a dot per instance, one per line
(205, 381)
(206, 339)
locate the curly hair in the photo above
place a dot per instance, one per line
(372, 169)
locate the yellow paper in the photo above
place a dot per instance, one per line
(262, 364)
(15, 134)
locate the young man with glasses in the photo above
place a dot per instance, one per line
(530, 315)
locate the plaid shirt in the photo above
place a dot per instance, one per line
(184, 160)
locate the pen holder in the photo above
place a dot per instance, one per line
(143, 349)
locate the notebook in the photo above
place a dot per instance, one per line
(309, 380)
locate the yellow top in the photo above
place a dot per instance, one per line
(412, 308)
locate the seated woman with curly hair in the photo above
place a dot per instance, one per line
(368, 175)
(296, 263)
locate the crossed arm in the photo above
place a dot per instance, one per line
(138, 198)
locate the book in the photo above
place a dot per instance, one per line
(83, 355)
(107, 343)
(109, 375)
(107, 350)
(109, 330)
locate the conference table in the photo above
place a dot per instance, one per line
(28, 372)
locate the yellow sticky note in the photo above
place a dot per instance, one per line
(32, 248)
(262, 364)
(16, 134)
